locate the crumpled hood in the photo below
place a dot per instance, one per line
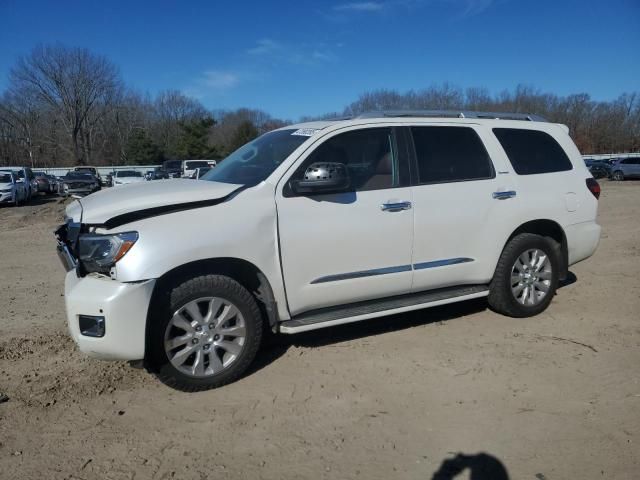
(107, 204)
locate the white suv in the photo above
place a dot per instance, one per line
(321, 224)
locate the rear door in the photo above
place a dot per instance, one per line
(348, 247)
(461, 202)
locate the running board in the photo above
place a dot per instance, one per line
(354, 312)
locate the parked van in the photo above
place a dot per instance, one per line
(189, 166)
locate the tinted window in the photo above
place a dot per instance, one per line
(196, 164)
(79, 176)
(172, 164)
(128, 173)
(369, 155)
(532, 151)
(450, 154)
(5, 177)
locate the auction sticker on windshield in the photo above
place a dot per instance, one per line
(305, 132)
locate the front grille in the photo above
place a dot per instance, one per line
(75, 185)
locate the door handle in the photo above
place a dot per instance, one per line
(504, 195)
(395, 206)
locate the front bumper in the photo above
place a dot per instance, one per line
(6, 197)
(78, 191)
(124, 307)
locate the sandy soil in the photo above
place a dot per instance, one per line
(553, 397)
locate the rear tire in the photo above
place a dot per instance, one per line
(618, 176)
(526, 277)
(207, 335)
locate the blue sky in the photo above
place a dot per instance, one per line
(307, 58)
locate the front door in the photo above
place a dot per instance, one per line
(354, 246)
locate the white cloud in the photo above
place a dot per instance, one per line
(219, 79)
(264, 46)
(297, 54)
(359, 7)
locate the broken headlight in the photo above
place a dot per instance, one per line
(98, 253)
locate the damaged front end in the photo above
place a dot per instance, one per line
(67, 236)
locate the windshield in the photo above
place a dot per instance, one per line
(79, 176)
(128, 173)
(5, 177)
(254, 162)
(86, 169)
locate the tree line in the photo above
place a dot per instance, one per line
(595, 126)
(66, 106)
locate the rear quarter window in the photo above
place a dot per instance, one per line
(532, 151)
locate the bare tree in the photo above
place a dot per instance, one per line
(172, 107)
(21, 116)
(77, 84)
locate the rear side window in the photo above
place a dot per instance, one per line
(450, 154)
(532, 151)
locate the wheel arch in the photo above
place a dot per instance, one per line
(547, 228)
(242, 271)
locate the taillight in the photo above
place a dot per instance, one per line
(594, 187)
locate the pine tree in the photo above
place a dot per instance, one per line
(141, 150)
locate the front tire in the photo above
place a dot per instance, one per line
(207, 336)
(618, 176)
(526, 277)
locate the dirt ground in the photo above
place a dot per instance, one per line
(548, 398)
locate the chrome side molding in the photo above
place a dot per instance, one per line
(441, 263)
(387, 270)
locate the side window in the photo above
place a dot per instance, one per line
(450, 154)
(370, 156)
(532, 151)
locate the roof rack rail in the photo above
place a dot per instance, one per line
(453, 114)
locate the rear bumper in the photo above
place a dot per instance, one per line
(582, 240)
(124, 307)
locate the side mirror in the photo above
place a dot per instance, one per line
(323, 177)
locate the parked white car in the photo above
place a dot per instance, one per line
(326, 223)
(125, 177)
(189, 166)
(12, 189)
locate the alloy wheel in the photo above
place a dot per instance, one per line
(205, 336)
(531, 276)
